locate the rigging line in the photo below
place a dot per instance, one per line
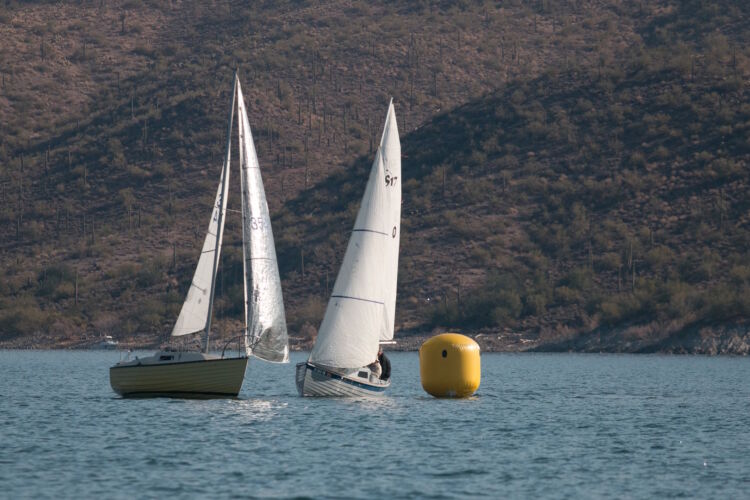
(255, 341)
(196, 286)
(357, 298)
(253, 333)
(209, 251)
(259, 258)
(233, 210)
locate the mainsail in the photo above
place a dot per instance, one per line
(195, 315)
(265, 322)
(361, 310)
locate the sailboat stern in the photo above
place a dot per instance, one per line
(317, 380)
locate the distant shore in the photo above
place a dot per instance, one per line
(730, 339)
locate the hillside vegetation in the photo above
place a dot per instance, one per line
(575, 173)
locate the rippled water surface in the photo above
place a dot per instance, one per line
(560, 425)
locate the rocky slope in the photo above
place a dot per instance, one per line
(573, 170)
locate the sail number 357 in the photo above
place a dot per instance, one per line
(256, 223)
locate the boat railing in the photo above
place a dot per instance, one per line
(239, 339)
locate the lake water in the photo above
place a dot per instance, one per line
(558, 425)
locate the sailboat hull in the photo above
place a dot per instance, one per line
(205, 378)
(314, 380)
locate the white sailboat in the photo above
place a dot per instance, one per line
(202, 374)
(361, 311)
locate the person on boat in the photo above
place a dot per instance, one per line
(385, 365)
(375, 369)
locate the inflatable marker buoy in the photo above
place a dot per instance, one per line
(449, 366)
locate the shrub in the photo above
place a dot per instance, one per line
(310, 311)
(51, 278)
(577, 279)
(610, 261)
(22, 319)
(740, 275)
(508, 308)
(534, 305)
(566, 295)
(659, 257)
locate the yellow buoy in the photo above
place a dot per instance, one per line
(449, 366)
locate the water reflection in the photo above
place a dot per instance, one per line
(254, 410)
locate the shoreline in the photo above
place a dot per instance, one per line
(732, 339)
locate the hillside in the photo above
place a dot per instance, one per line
(576, 173)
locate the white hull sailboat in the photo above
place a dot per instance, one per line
(361, 311)
(319, 380)
(201, 374)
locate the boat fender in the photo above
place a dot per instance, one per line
(449, 366)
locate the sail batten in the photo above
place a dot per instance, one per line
(358, 298)
(369, 231)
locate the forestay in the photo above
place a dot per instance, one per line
(266, 333)
(362, 305)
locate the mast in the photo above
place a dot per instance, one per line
(244, 203)
(207, 332)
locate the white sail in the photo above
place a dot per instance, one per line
(195, 310)
(362, 305)
(265, 322)
(390, 151)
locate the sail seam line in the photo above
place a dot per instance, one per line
(369, 231)
(357, 298)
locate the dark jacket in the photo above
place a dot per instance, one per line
(385, 364)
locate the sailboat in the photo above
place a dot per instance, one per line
(361, 310)
(203, 374)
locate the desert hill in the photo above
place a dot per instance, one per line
(575, 173)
